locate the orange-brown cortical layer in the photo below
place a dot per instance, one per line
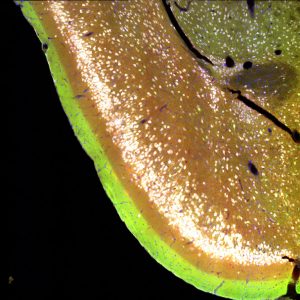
(180, 143)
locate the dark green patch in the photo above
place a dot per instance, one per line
(275, 81)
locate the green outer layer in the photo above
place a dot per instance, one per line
(126, 208)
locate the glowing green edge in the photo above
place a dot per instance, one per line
(126, 208)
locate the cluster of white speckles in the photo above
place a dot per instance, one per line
(171, 186)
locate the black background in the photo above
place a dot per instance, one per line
(66, 239)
